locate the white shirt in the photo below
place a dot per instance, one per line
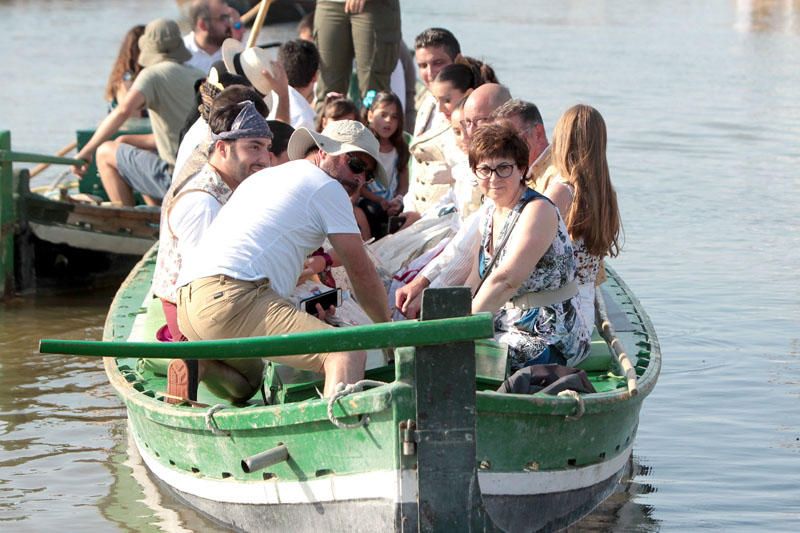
(198, 134)
(200, 58)
(271, 223)
(301, 114)
(452, 266)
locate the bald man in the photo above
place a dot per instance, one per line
(480, 105)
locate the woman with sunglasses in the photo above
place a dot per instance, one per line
(525, 269)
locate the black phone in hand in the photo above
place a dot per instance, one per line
(326, 299)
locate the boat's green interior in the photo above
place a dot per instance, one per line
(284, 387)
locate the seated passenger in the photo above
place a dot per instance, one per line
(208, 179)
(523, 268)
(384, 116)
(336, 107)
(583, 192)
(125, 69)
(165, 86)
(236, 282)
(241, 140)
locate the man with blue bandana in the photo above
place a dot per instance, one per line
(241, 140)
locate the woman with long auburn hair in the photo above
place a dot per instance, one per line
(126, 68)
(583, 192)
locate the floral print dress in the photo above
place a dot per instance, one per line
(528, 333)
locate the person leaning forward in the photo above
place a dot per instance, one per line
(236, 281)
(165, 86)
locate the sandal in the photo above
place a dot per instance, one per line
(182, 381)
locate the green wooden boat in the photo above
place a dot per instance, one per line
(424, 443)
(51, 239)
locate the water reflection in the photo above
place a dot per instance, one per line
(780, 16)
(624, 509)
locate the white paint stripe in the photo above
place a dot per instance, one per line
(92, 240)
(553, 481)
(372, 485)
(387, 485)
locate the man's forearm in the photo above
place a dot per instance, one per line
(108, 127)
(371, 295)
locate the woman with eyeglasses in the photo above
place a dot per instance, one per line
(525, 269)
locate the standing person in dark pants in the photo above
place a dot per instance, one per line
(367, 30)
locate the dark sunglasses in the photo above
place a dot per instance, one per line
(357, 166)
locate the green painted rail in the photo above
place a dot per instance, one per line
(387, 335)
(25, 157)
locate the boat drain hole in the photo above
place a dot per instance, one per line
(323, 472)
(268, 475)
(572, 462)
(195, 470)
(616, 448)
(602, 455)
(226, 475)
(171, 462)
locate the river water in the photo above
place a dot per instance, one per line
(702, 103)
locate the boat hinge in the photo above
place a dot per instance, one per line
(408, 433)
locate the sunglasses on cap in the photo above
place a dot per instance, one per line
(357, 166)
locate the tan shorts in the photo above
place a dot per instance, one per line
(221, 307)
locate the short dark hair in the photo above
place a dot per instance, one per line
(497, 140)
(281, 132)
(300, 59)
(438, 37)
(226, 107)
(527, 112)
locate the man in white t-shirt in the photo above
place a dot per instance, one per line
(236, 281)
(211, 25)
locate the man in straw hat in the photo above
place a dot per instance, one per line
(249, 259)
(166, 87)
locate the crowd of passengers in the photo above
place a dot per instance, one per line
(271, 175)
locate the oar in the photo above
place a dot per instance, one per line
(251, 13)
(387, 335)
(256, 29)
(64, 151)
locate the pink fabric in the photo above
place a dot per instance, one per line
(170, 332)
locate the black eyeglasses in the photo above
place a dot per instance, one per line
(503, 170)
(357, 166)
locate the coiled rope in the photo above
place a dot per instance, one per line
(343, 390)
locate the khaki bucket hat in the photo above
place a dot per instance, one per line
(162, 41)
(339, 137)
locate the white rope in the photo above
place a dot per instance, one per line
(343, 390)
(211, 424)
(577, 397)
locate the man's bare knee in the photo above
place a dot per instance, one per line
(107, 154)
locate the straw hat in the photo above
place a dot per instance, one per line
(339, 137)
(162, 41)
(248, 63)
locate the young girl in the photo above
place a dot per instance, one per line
(583, 192)
(336, 107)
(125, 69)
(384, 116)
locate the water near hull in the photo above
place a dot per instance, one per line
(702, 106)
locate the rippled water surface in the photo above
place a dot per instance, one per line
(702, 103)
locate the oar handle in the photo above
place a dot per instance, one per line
(386, 335)
(24, 157)
(62, 152)
(259, 22)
